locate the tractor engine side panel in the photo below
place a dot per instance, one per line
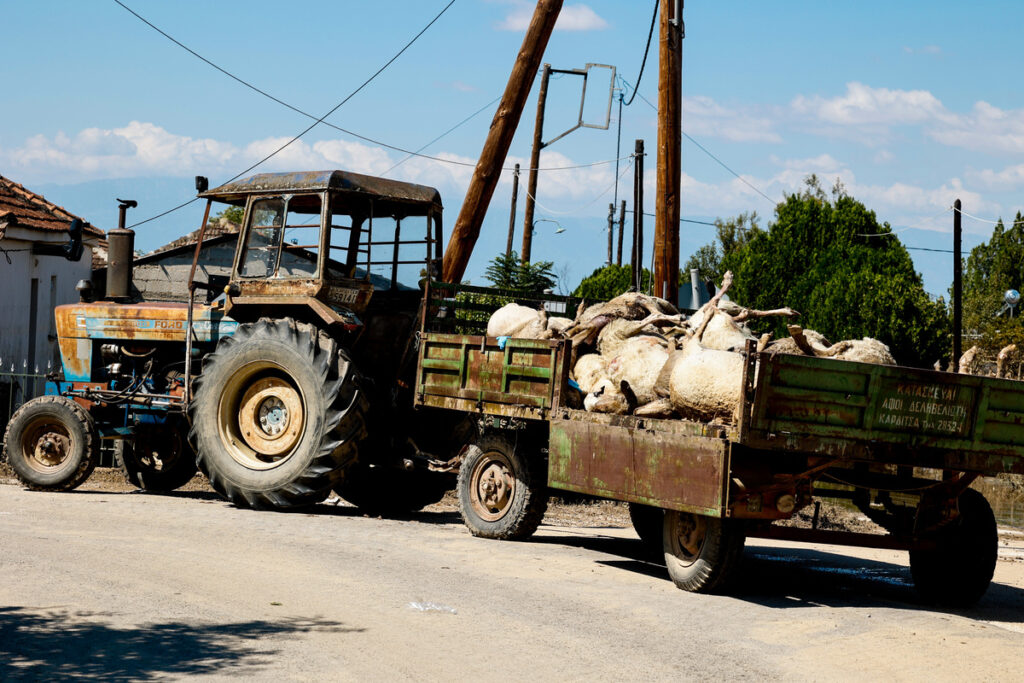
(80, 327)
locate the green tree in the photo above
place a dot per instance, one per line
(232, 213)
(608, 282)
(509, 272)
(731, 234)
(849, 276)
(992, 268)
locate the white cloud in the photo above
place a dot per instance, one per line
(572, 18)
(930, 50)
(985, 128)
(864, 105)
(883, 156)
(703, 116)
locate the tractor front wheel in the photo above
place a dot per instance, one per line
(51, 444)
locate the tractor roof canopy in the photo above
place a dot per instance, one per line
(388, 196)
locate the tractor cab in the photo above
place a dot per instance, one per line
(325, 241)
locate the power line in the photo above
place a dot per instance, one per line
(684, 220)
(465, 120)
(364, 138)
(987, 220)
(643, 63)
(319, 120)
(716, 159)
(588, 204)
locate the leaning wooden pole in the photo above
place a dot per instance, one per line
(666, 211)
(503, 128)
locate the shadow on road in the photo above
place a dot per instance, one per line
(786, 578)
(58, 645)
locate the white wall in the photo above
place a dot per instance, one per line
(56, 279)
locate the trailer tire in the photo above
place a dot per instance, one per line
(702, 553)
(160, 459)
(958, 572)
(648, 523)
(277, 415)
(51, 444)
(502, 489)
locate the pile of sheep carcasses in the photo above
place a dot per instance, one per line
(637, 354)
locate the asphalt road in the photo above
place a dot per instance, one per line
(129, 586)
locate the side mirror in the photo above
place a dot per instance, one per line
(202, 184)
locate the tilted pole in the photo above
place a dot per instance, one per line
(503, 128)
(637, 262)
(531, 184)
(666, 208)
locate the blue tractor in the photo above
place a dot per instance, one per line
(294, 382)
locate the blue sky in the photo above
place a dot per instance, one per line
(911, 104)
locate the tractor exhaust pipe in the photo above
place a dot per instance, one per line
(120, 255)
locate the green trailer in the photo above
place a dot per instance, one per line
(902, 445)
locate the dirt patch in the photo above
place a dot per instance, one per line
(833, 517)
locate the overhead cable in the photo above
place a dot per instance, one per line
(643, 63)
(708, 152)
(338, 128)
(319, 120)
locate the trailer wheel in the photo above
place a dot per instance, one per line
(502, 490)
(51, 444)
(957, 572)
(159, 458)
(701, 553)
(277, 415)
(648, 523)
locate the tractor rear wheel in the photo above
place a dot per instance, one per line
(51, 444)
(392, 492)
(159, 458)
(277, 415)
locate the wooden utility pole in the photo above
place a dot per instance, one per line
(637, 262)
(503, 128)
(512, 213)
(538, 144)
(611, 230)
(957, 286)
(666, 208)
(622, 226)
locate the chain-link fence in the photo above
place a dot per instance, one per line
(18, 387)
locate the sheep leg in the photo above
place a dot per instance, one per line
(762, 343)
(750, 314)
(797, 333)
(967, 360)
(1003, 356)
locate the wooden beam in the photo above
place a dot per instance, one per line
(503, 128)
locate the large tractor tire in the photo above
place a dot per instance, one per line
(51, 444)
(392, 492)
(502, 489)
(959, 569)
(701, 553)
(159, 458)
(277, 415)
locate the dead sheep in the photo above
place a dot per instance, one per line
(638, 363)
(703, 383)
(589, 370)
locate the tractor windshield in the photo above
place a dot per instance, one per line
(283, 239)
